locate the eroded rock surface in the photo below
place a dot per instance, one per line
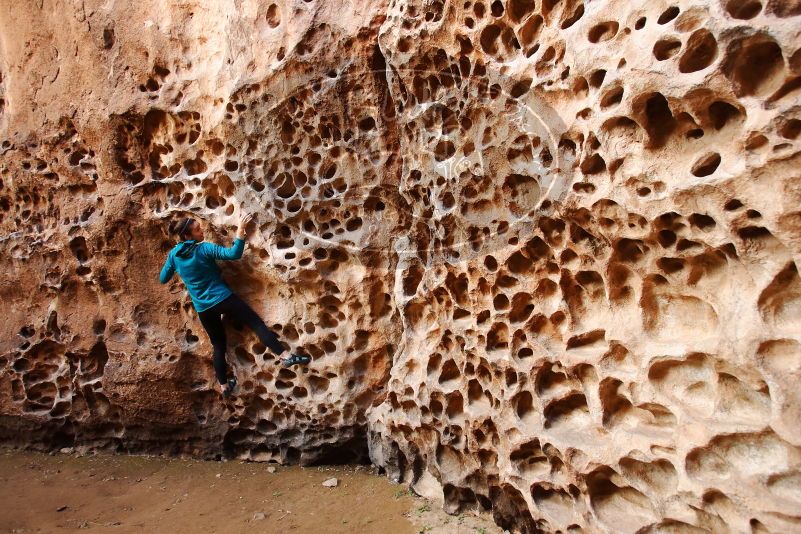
(544, 254)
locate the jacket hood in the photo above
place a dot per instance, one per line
(186, 249)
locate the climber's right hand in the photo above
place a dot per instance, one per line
(241, 232)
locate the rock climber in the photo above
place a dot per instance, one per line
(194, 259)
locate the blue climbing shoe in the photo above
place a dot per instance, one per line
(231, 386)
(296, 359)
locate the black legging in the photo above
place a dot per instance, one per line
(234, 307)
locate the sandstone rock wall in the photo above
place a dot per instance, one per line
(544, 254)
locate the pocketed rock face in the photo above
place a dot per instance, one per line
(160, 111)
(544, 254)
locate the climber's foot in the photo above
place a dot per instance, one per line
(296, 359)
(229, 388)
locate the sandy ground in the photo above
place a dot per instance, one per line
(114, 493)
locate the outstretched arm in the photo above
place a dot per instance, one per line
(168, 270)
(234, 252)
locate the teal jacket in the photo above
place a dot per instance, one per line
(195, 263)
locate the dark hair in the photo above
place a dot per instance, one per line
(181, 227)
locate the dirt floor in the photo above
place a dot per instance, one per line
(113, 493)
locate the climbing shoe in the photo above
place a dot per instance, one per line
(230, 387)
(296, 359)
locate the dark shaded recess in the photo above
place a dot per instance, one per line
(459, 499)
(108, 38)
(510, 511)
(49, 435)
(751, 62)
(521, 88)
(706, 165)
(128, 153)
(754, 232)
(656, 117)
(353, 451)
(743, 9)
(702, 49)
(351, 448)
(518, 9)
(668, 15)
(572, 19)
(733, 204)
(784, 8)
(152, 122)
(666, 48)
(561, 408)
(721, 113)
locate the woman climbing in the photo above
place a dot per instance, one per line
(194, 260)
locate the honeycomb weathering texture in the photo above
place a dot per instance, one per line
(543, 253)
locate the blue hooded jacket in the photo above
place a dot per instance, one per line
(195, 263)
